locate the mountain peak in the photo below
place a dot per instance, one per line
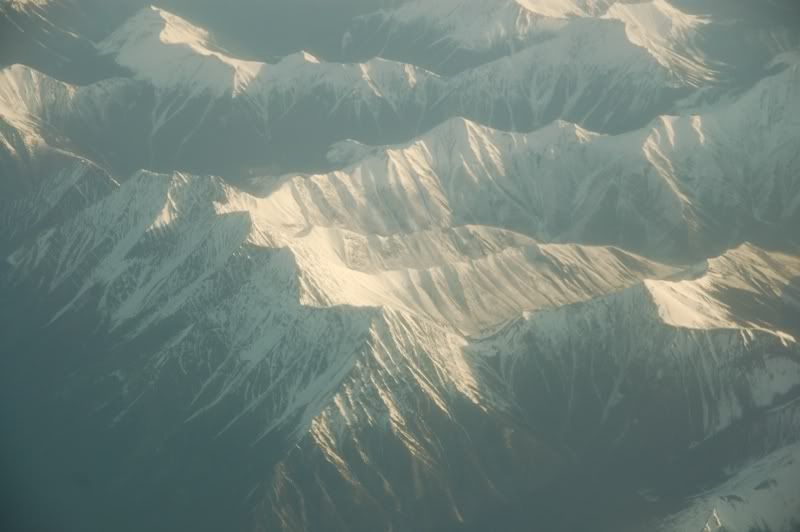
(668, 35)
(566, 8)
(167, 50)
(713, 300)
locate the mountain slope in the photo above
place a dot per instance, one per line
(167, 50)
(189, 96)
(563, 182)
(593, 379)
(196, 253)
(470, 266)
(761, 495)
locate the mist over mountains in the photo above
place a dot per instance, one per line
(451, 265)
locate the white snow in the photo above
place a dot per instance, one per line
(29, 101)
(21, 5)
(705, 303)
(172, 53)
(667, 34)
(763, 493)
(479, 24)
(336, 296)
(169, 51)
(566, 8)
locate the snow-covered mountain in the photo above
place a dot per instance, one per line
(634, 377)
(563, 182)
(168, 51)
(464, 33)
(171, 53)
(675, 337)
(755, 498)
(503, 265)
(186, 94)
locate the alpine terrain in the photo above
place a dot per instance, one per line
(400, 266)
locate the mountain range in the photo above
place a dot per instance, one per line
(449, 265)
